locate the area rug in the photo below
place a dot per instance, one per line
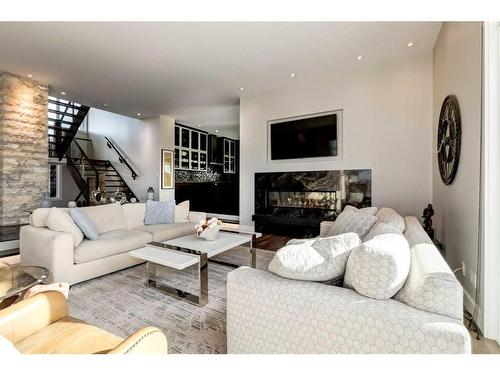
(122, 304)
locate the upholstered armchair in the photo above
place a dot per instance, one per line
(41, 325)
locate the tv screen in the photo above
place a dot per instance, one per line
(308, 137)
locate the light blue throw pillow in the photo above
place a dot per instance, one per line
(160, 212)
(85, 223)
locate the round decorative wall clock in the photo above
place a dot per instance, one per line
(448, 139)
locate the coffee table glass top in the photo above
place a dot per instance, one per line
(17, 279)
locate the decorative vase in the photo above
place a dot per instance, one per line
(98, 197)
(151, 193)
(118, 197)
(45, 202)
(71, 204)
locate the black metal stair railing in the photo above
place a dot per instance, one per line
(89, 174)
(121, 158)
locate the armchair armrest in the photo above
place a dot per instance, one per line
(29, 316)
(195, 217)
(148, 340)
(47, 248)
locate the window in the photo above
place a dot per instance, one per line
(55, 181)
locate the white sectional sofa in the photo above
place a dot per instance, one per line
(121, 230)
(270, 314)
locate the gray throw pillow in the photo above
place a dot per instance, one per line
(85, 223)
(159, 212)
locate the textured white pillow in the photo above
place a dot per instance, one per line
(390, 216)
(381, 228)
(365, 210)
(378, 268)
(61, 221)
(182, 212)
(352, 221)
(7, 348)
(319, 259)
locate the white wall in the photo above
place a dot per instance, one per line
(387, 112)
(141, 142)
(457, 70)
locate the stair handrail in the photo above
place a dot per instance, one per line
(121, 158)
(89, 161)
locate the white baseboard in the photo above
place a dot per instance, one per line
(468, 302)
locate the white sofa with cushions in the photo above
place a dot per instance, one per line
(267, 313)
(121, 229)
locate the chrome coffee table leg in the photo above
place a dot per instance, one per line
(201, 299)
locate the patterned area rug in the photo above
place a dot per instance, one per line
(121, 303)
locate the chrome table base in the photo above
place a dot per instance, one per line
(202, 298)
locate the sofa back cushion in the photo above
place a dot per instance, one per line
(389, 216)
(381, 228)
(351, 221)
(431, 285)
(134, 214)
(107, 217)
(39, 216)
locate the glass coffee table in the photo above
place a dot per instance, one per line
(15, 280)
(186, 251)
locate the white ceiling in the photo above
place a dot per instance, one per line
(193, 71)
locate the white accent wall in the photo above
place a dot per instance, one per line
(387, 127)
(141, 142)
(457, 71)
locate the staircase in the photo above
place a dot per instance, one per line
(64, 121)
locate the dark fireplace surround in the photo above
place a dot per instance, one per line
(294, 203)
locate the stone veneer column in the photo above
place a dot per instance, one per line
(24, 167)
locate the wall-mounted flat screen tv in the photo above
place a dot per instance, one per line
(310, 136)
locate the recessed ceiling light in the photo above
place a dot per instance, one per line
(139, 114)
(199, 125)
(216, 131)
(410, 44)
(63, 92)
(30, 75)
(292, 75)
(106, 105)
(242, 88)
(360, 57)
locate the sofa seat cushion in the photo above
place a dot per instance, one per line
(107, 217)
(69, 336)
(111, 243)
(164, 232)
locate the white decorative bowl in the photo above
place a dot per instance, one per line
(209, 234)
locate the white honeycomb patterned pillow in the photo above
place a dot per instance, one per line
(352, 222)
(364, 210)
(378, 268)
(390, 216)
(320, 259)
(381, 228)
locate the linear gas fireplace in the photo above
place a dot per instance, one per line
(294, 203)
